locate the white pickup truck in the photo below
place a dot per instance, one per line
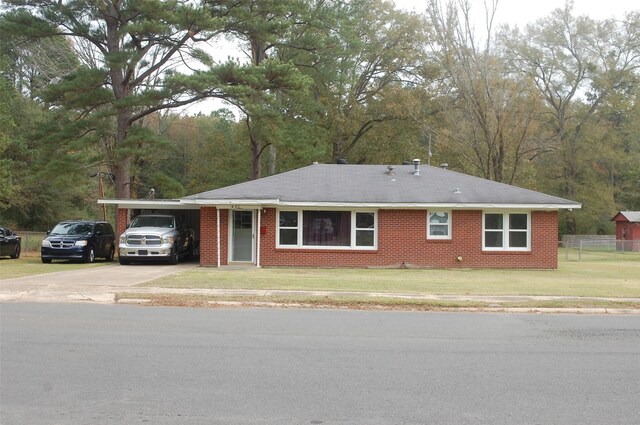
(156, 237)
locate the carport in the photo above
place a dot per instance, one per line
(127, 209)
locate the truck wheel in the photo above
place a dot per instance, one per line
(46, 260)
(16, 252)
(123, 261)
(175, 256)
(111, 253)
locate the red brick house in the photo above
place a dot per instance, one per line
(339, 215)
(628, 230)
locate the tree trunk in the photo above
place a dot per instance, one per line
(273, 153)
(337, 152)
(122, 173)
(121, 89)
(256, 150)
(122, 169)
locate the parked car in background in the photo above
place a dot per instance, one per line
(10, 243)
(156, 237)
(79, 240)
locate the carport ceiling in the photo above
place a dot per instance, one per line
(149, 204)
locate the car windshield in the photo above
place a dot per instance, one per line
(153, 221)
(72, 229)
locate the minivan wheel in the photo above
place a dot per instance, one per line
(91, 257)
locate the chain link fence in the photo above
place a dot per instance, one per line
(31, 242)
(598, 248)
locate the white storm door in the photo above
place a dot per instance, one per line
(242, 236)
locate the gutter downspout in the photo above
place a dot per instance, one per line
(258, 240)
(218, 234)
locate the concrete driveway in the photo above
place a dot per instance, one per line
(98, 284)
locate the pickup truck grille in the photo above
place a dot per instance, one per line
(61, 243)
(144, 240)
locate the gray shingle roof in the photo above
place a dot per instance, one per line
(372, 184)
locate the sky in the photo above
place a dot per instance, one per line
(512, 12)
(521, 12)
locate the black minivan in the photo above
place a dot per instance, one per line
(79, 240)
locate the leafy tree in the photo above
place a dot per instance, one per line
(578, 66)
(360, 55)
(138, 47)
(490, 113)
(260, 27)
(34, 64)
(7, 132)
(198, 153)
(40, 183)
(217, 154)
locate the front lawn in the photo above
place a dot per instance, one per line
(617, 276)
(26, 266)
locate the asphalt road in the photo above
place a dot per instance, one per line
(115, 364)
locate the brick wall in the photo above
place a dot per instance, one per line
(209, 237)
(402, 239)
(122, 219)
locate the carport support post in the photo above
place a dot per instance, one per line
(218, 233)
(258, 240)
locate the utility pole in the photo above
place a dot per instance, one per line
(430, 154)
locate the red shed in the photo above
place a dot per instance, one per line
(628, 230)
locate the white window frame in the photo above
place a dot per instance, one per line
(297, 228)
(440, 237)
(353, 229)
(505, 231)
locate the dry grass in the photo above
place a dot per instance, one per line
(615, 277)
(359, 303)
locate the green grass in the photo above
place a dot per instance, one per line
(30, 265)
(618, 276)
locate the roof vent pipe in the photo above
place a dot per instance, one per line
(391, 173)
(416, 167)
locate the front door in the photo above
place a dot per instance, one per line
(242, 236)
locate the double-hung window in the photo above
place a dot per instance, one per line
(288, 224)
(506, 231)
(439, 225)
(365, 229)
(327, 229)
